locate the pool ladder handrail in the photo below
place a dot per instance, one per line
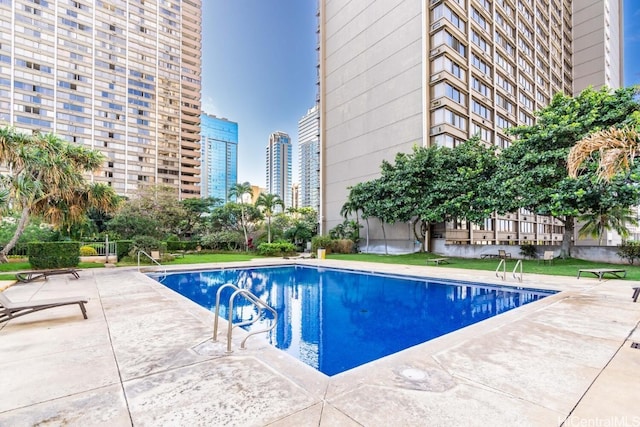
(140, 251)
(253, 299)
(503, 264)
(518, 264)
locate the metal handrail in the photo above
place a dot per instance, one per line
(518, 264)
(503, 264)
(249, 296)
(140, 251)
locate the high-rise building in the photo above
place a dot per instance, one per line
(279, 162)
(219, 156)
(309, 159)
(118, 76)
(295, 195)
(396, 74)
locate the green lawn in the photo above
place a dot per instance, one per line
(560, 267)
(200, 258)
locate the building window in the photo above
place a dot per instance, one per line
(443, 37)
(444, 115)
(481, 110)
(445, 89)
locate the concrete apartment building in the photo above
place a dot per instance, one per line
(122, 77)
(279, 163)
(219, 156)
(403, 72)
(309, 159)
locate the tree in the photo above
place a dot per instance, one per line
(431, 185)
(46, 177)
(238, 191)
(617, 219)
(358, 198)
(154, 211)
(198, 211)
(268, 203)
(532, 172)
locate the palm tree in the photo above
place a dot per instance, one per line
(47, 177)
(616, 147)
(238, 191)
(268, 203)
(597, 223)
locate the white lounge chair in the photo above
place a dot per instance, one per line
(10, 310)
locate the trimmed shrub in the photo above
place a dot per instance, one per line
(629, 250)
(276, 249)
(47, 255)
(88, 251)
(179, 245)
(321, 242)
(223, 240)
(343, 246)
(123, 247)
(528, 251)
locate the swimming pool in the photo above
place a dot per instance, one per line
(335, 319)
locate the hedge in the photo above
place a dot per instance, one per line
(54, 254)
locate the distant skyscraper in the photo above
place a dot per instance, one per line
(219, 156)
(295, 196)
(309, 157)
(121, 77)
(279, 160)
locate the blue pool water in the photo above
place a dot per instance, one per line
(335, 320)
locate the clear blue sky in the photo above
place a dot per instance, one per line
(631, 42)
(259, 70)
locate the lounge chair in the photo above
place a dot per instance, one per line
(547, 257)
(502, 254)
(30, 276)
(10, 310)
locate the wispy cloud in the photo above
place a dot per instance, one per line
(209, 107)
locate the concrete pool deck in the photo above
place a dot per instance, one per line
(145, 358)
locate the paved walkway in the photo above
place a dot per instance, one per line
(145, 358)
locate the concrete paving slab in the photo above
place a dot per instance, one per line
(462, 405)
(332, 417)
(529, 366)
(104, 406)
(614, 396)
(526, 363)
(33, 339)
(237, 391)
(307, 417)
(613, 316)
(52, 376)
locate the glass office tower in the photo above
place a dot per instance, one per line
(219, 156)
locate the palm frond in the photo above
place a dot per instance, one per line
(616, 150)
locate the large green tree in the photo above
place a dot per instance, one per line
(532, 172)
(198, 212)
(429, 185)
(154, 211)
(46, 176)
